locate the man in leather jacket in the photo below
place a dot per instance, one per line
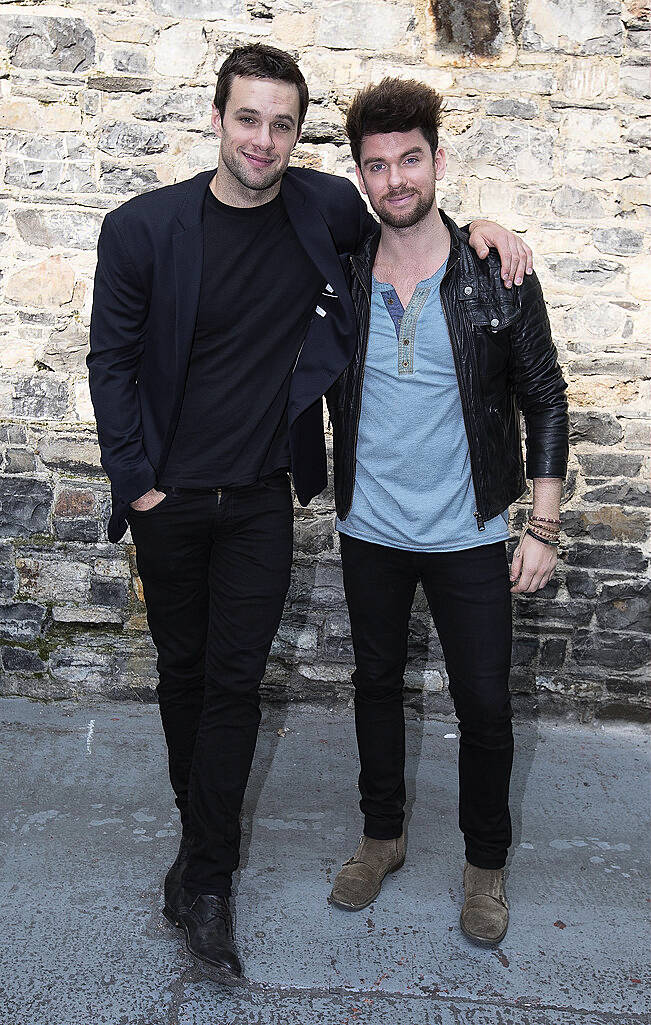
(428, 459)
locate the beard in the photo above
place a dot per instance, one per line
(404, 218)
(248, 177)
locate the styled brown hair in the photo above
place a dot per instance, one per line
(395, 105)
(260, 61)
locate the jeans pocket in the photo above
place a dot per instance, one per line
(147, 512)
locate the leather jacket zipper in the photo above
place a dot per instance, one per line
(464, 397)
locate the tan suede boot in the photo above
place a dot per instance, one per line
(485, 913)
(360, 879)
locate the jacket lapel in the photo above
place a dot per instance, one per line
(188, 265)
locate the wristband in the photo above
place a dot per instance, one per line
(543, 540)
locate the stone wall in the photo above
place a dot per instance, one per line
(547, 130)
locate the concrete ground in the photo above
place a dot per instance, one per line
(88, 829)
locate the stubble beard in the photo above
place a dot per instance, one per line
(260, 183)
(398, 219)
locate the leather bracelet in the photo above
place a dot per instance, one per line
(544, 541)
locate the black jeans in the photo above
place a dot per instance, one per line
(468, 593)
(215, 572)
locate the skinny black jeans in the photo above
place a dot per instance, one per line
(468, 593)
(215, 572)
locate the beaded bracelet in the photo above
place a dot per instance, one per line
(543, 519)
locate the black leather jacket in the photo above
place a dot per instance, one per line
(505, 361)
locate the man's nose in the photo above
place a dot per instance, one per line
(263, 137)
(396, 177)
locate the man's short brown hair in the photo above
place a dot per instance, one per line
(260, 61)
(395, 105)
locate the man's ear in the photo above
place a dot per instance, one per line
(360, 180)
(216, 121)
(440, 163)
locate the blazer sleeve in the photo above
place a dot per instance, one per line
(117, 333)
(539, 385)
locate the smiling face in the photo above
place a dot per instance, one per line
(398, 174)
(258, 132)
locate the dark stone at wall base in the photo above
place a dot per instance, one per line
(110, 592)
(615, 557)
(21, 621)
(615, 651)
(21, 660)
(625, 606)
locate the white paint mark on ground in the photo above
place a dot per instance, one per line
(528, 846)
(90, 734)
(450, 736)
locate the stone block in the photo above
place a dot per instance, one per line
(584, 28)
(464, 26)
(295, 637)
(510, 107)
(24, 507)
(66, 349)
(608, 523)
(497, 149)
(184, 105)
(48, 283)
(22, 621)
(62, 163)
(19, 460)
(617, 558)
(132, 62)
(609, 464)
(50, 227)
(76, 530)
(367, 25)
(538, 81)
(618, 241)
(81, 671)
(581, 584)
(328, 584)
(127, 180)
(50, 44)
(53, 578)
(589, 323)
(41, 396)
(86, 615)
(120, 84)
(8, 575)
(69, 453)
(625, 606)
(570, 202)
(20, 112)
(552, 653)
(205, 10)
(124, 140)
(613, 651)
(109, 592)
(181, 50)
(597, 428)
(21, 660)
(583, 271)
(525, 650)
(75, 502)
(624, 493)
(635, 80)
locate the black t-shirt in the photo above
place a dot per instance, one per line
(259, 289)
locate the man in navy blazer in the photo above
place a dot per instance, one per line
(220, 318)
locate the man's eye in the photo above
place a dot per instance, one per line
(376, 167)
(281, 126)
(411, 160)
(246, 120)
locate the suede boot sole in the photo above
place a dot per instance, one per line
(360, 907)
(481, 941)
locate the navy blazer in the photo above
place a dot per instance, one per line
(147, 282)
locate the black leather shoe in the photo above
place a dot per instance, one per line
(209, 935)
(173, 884)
